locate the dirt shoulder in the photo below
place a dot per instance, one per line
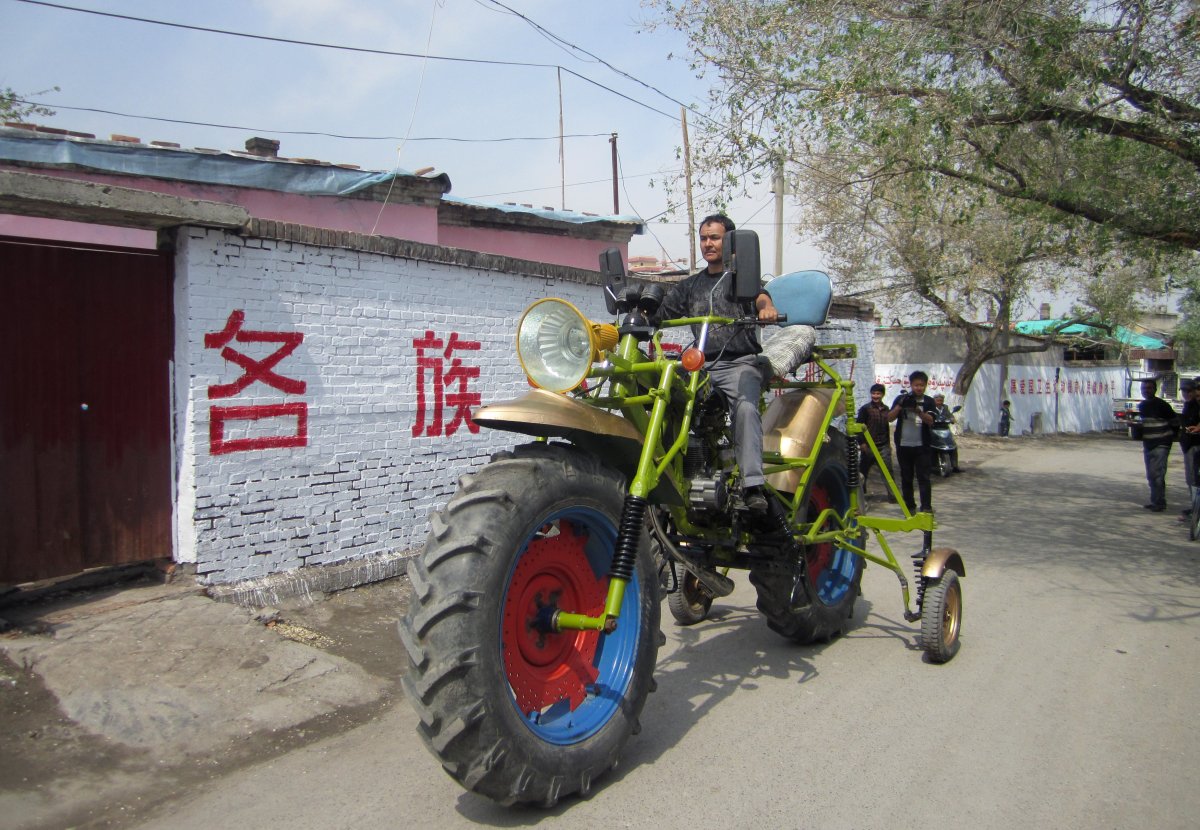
(114, 700)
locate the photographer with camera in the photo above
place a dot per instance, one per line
(913, 413)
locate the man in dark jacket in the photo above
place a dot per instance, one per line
(874, 416)
(731, 353)
(913, 413)
(1159, 422)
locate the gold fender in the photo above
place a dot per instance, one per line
(549, 415)
(941, 560)
(791, 427)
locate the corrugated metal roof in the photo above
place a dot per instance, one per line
(1083, 330)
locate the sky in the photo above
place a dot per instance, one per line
(393, 105)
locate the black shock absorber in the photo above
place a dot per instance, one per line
(628, 535)
(919, 566)
(852, 457)
(918, 579)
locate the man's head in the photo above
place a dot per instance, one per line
(712, 238)
(1187, 388)
(877, 392)
(918, 381)
(939, 399)
(1149, 388)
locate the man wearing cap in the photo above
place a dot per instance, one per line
(1189, 436)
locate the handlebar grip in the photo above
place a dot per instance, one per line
(754, 321)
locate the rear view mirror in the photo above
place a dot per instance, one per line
(613, 269)
(739, 254)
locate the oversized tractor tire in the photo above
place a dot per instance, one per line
(514, 711)
(814, 605)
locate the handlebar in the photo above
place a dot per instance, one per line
(754, 321)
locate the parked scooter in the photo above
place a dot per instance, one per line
(945, 448)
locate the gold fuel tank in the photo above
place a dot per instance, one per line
(791, 427)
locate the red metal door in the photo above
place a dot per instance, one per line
(85, 350)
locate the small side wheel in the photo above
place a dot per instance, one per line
(691, 602)
(941, 617)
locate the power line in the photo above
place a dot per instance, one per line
(573, 184)
(596, 58)
(339, 47)
(311, 132)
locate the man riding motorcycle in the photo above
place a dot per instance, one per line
(731, 353)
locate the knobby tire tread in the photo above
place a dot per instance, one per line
(456, 678)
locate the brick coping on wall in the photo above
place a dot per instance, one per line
(407, 249)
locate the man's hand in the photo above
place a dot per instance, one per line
(767, 312)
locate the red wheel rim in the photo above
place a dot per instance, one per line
(553, 572)
(819, 556)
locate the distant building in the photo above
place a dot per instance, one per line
(258, 368)
(1069, 387)
(648, 266)
(396, 204)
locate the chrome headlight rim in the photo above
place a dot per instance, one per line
(557, 348)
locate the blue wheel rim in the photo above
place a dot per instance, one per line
(837, 576)
(560, 722)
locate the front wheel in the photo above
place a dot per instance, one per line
(514, 710)
(943, 464)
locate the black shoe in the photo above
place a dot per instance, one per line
(956, 470)
(1157, 508)
(1147, 507)
(756, 502)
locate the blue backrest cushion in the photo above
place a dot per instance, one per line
(804, 296)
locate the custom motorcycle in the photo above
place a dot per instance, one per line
(533, 629)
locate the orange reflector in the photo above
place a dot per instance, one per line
(692, 359)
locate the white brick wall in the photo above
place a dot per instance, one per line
(361, 485)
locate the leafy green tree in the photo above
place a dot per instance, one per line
(1088, 107)
(13, 107)
(924, 247)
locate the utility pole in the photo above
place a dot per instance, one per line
(779, 190)
(687, 173)
(562, 150)
(616, 200)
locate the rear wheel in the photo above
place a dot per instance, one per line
(814, 603)
(514, 710)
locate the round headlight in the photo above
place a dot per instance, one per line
(554, 344)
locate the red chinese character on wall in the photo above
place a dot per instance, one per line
(295, 433)
(446, 384)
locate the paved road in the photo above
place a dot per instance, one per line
(1073, 703)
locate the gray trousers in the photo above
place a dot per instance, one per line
(1156, 472)
(741, 381)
